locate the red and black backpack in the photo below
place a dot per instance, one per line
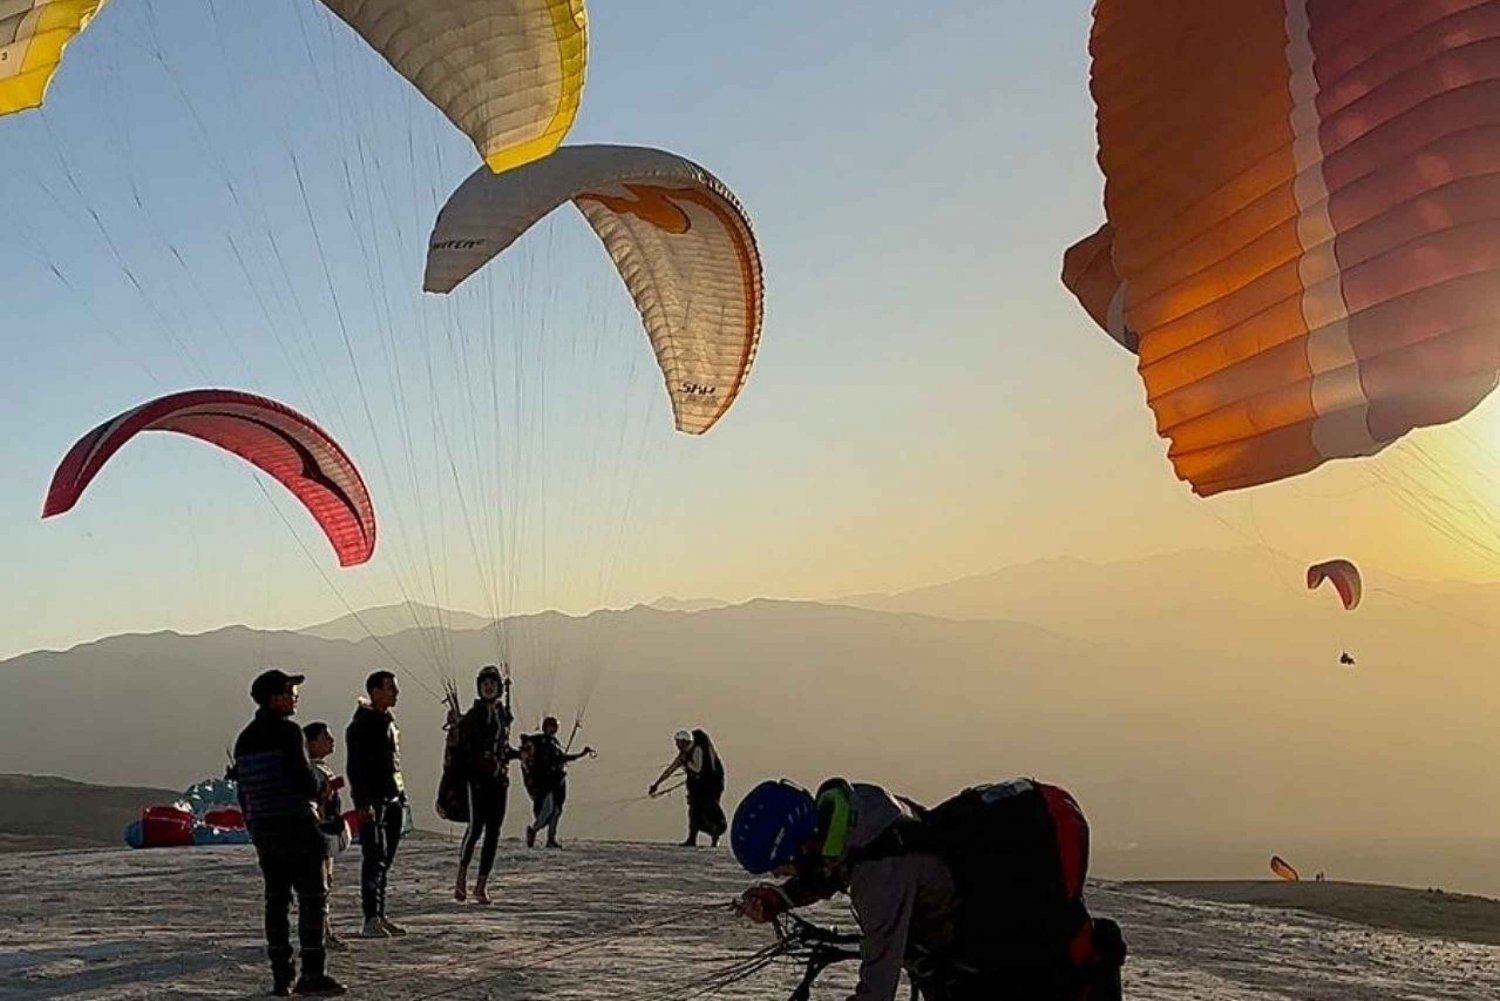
(1019, 853)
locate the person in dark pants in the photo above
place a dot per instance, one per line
(703, 774)
(277, 787)
(547, 764)
(373, 749)
(482, 750)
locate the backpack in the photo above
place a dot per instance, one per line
(1018, 852)
(711, 782)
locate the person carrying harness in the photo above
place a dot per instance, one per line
(481, 753)
(544, 766)
(277, 789)
(703, 772)
(978, 898)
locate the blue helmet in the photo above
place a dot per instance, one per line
(771, 823)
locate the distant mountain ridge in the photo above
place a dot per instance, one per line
(1192, 699)
(388, 620)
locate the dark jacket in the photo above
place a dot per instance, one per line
(548, 767)
(277, 783)
(372, 746)
(482, 751)
(704, 769)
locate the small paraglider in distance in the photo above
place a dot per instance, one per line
(1346, 659)
(1284, 870)
(1345, 578)
(1296, 284)
(681, 241)
(269, 435)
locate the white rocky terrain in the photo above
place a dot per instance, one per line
(628, 922)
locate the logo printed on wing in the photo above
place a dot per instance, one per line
(651, 204)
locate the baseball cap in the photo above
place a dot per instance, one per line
(269, 684)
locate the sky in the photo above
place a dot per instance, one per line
(238, 195)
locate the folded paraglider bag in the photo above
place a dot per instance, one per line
(225, 816)
(166, 827)
(208, 834)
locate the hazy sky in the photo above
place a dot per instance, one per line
(238, 194)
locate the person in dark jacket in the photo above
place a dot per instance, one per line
(482, 750)
(373, 754)
(546, 762)
(703, 774)
(277, 792)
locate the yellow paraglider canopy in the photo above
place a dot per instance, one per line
(33, 34)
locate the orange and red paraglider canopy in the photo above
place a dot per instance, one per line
(1343, 575)
(1303, 236)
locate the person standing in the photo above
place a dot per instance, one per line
(482, 751)
(373, 748)
(703, 772)
(330, 806)
(547, 761)
(277, 789)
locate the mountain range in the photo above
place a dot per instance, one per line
(1194, 702)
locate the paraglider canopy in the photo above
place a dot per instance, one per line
(1345, 578)
(680, 240)
(1301, 205)
(508, 73)
(33, 34)
(269, 435)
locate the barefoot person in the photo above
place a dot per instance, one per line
(277, 792)
(373, 748)
(482, 751)
(703, 773)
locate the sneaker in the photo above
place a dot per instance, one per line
(333, 943)
(321, 986)
(530, 836)
(374, 929)
(281, 982)
(391, 928)
(553, 844)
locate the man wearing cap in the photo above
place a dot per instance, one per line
(703, 774)
(277, 792)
